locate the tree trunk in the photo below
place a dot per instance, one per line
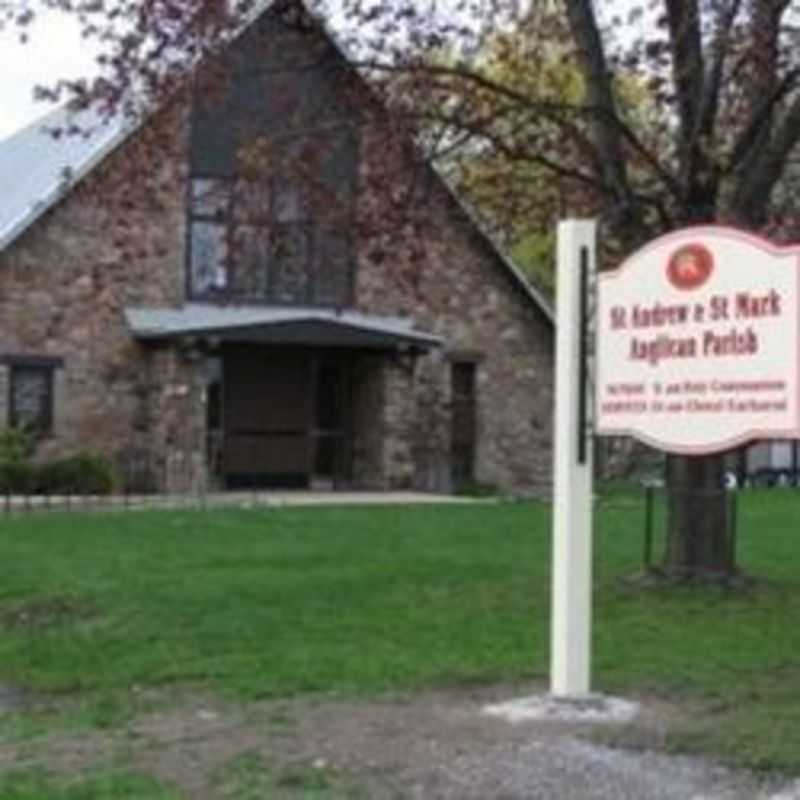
(699, 519)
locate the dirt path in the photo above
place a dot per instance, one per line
(432, 746)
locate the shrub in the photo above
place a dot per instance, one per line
(16, 446)
(17, 477)
(135, 471)
(475, 488)
(16, 471)
(83, 473)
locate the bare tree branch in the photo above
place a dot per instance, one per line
(750, 204)
(752, 137)
(558, 112)
(718, 49)
(600, 95)
(686, 47)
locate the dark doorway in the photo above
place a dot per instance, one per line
(286, 417)
(332, 421)
(463, 435)
(214, 417)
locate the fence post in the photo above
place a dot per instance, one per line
(733, 513)
(648, 526)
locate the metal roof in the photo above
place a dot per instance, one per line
(279, 325)
(37, 169)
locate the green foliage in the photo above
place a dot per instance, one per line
(478, 489)
(519, 170)
(249, 777)
(83, 473)
(17, 475)
(17, 478)
(16, 446)
(535, 253)
(29, 785)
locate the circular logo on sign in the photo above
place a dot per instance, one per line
(690, 267)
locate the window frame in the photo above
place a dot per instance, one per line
(271, 226)
(46, 366)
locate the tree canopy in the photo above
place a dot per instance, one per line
(724, 76)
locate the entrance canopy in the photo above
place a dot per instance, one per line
(259, 325)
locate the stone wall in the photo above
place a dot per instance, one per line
(369, 391)
(111, 242)
(436, 268)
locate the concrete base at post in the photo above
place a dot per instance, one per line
(590, 708)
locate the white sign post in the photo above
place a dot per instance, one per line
(572, 509)
(697, 344)
(697, 350)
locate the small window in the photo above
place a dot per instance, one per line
(31, 398)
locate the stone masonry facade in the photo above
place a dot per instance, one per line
(64, 285)
(445, 274)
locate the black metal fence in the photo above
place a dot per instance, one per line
(138, 480)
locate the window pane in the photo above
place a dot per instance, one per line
(208, 257)
(249, 260)
(291, 263)
(31, 398)
(251, 201)
(290, 200)
(210, 197)
(332, 266)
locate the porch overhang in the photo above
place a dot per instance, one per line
(281, 326)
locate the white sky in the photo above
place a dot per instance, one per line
(55, 50)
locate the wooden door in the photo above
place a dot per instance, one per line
(268, 410)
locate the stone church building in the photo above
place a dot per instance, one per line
(268, 288)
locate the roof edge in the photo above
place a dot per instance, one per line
(44, 204)
(409, 334)
(515, 273)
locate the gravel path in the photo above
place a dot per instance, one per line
(429, 746)
(443, 747)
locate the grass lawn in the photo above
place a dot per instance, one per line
(278, 602)
(103, 786)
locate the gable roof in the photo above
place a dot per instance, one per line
(37, 170)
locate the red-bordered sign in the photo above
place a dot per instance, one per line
(697, 342)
